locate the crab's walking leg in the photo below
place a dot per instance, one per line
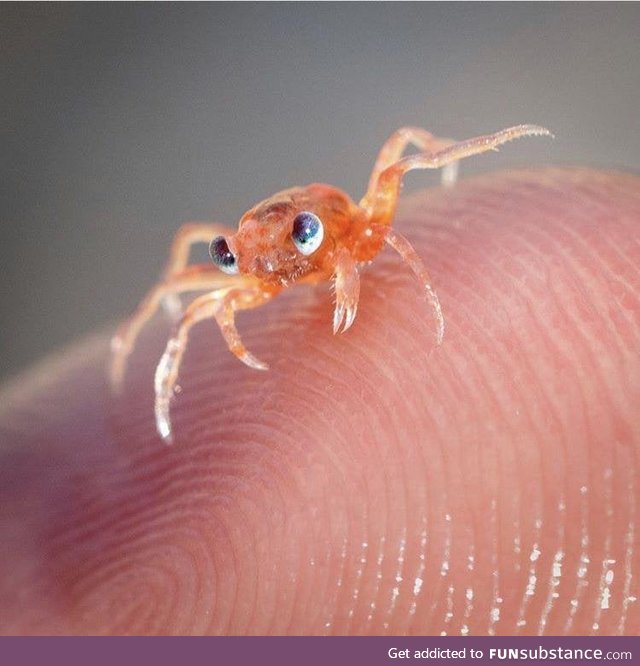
(398, 142)
(221, 305)
(380, 204)
(347, 287)
(402, 246)
(186, 237)
(194, 278)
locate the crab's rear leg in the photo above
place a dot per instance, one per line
(380, 201)
(220, 305)
(186, 237)
(397, 143)
(379, 204)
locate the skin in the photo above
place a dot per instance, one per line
(370, 483)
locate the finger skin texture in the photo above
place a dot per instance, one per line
(371, 482)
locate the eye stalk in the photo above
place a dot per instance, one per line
(222, 256)
(307, 233)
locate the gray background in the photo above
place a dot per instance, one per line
(119, 122)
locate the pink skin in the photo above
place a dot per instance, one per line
(369, 483)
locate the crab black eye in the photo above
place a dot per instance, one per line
(307, 233)
(222, 256)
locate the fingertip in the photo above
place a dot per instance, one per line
(330, 493)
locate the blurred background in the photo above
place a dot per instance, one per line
(122, 121)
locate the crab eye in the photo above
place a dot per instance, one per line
(307, 233)
(222, 256)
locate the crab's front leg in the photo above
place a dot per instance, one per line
(347, 287)
(187, 236)
(404, 248)
(199, 277)
(220, 305)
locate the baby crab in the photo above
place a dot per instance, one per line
(300, 235)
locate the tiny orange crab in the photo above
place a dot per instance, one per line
(300, 235)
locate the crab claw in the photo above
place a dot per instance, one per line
(347, 287)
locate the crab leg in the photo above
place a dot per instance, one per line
(402, 246)
(221, 305)
(185, 238)
(380, 203)
(398, 142)
(194, 278)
